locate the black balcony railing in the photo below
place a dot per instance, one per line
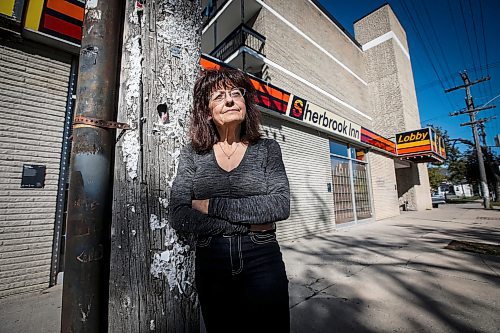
(241, 36)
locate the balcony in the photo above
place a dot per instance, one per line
(222, 17)
(242, 36)
(242, 49)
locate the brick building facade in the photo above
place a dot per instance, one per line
(366, 79)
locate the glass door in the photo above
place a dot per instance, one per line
(342, 192)
(361, 191)
(351, 191)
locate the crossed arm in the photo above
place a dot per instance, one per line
(182, 216)
(230, 215)
(259, 209)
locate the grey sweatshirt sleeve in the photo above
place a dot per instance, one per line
(182, 216)
(259, 209)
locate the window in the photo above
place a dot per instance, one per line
(351, 192)
(339, 149)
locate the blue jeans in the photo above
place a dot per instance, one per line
(242, 284)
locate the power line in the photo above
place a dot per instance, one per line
(433, 29)
(433, 118)
(484, 43)
(456, 35)
(429, 84)
(468, 38)
(424, 47)
(447, 115)
(481, 88)
(475, 34)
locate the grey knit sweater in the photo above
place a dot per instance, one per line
(255, 192)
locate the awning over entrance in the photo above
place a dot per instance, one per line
(419, 146)
(301, 111)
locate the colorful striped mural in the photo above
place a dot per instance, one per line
(62, 19)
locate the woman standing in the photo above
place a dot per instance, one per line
(231, 187)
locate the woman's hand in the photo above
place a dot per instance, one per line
(200, 205)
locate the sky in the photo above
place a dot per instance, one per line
(445, 37)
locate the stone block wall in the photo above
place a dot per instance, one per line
(392, 94)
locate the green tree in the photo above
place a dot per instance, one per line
(464, 166)
(491, 163)
(436, 177)
(453, 168)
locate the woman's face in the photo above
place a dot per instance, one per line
(227, 106)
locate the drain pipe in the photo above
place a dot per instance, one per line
(85, 291)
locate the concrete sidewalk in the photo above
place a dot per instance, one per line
(395, 275)
(389, 276)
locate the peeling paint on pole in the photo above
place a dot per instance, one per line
(161, 46)
(131, 147)
(91, 11)
(179, 101)
(155, 223)
(91, 4)
(94, 15)
(176, 264)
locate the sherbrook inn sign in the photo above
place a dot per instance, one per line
(323, 119)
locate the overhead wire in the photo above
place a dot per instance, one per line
(464, 64)
(481, 87)
(433, 30)
(484, 43)
(426, 51)
(468, 38)
(429, 84)
(487, 88)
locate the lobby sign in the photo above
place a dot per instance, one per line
(421, 145)
(413, 141)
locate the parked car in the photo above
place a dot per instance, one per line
(437, 199)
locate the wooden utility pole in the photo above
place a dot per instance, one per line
(472, 111)
(151, 274)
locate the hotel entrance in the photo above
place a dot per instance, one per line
(351, 190)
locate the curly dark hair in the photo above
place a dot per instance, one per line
(202, 131)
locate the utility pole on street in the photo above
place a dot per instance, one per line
(85, 287)
(126, 269)
(472, 111)
(151, 285)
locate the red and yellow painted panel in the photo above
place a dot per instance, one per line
(62, 19)
(376, 140)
